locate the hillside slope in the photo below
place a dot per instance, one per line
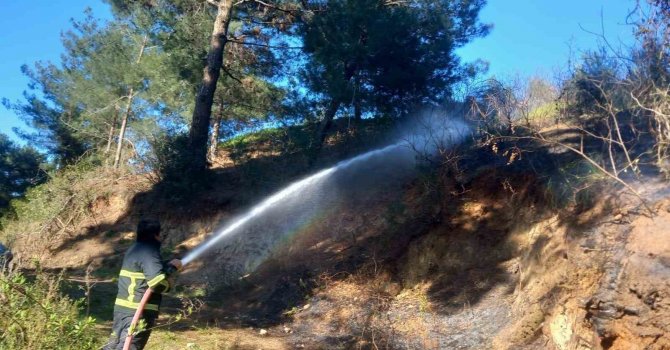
(482, 251)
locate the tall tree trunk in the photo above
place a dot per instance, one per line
(203, 101)
(327, 121)
(122, 131)
(357, 101)
(214, 140)
(112, 127)
(322, 130)
(126, 115)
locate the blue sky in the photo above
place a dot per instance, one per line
(536, 37)
(29, 32)
(529, 37)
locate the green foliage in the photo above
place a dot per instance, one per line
(146, 64)
(593, 86)
(107, 72)
(172, 156)
(47, 110)
(20, 168)
(616, 100)
(34, 315)
(171, 163)
(62, 201)
(285, 140)
(294, 142)
(547, 112)
(570, 183)
(240, 104)
(388, 57)
(245, 90)
(651, 73)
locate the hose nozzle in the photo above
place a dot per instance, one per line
(170, 269)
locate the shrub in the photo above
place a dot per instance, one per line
(35, 315)
(175, 180)
(52, 209)
(172, 157)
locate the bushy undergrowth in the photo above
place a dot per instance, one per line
(174, 180)
(611, 108)
(286, 140)
(53, 208)
(299, 139)
(172, 157)
(35, 315)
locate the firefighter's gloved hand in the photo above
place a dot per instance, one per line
(176, 263)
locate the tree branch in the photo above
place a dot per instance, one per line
(265, 45)
(586, 157)
(228, 73)
(275, 7)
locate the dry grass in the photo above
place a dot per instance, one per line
(214, 339)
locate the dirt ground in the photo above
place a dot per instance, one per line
(600, 286)
(485, 270)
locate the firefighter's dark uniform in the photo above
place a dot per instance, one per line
(142, 268)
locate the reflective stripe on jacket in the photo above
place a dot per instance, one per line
(142, 268)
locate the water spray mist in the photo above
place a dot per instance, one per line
(425, 141)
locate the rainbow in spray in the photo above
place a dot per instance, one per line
(298, 204)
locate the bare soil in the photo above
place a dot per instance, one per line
(489, 265)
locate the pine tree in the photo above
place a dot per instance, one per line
(386, 57)
(239, 30)
(20, 168)
(112, 80)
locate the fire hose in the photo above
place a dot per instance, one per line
(140, 309)
(136, 318)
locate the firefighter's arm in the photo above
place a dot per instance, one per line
(173, 266)
(155, 273)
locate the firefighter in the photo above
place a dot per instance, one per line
(142, 268)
